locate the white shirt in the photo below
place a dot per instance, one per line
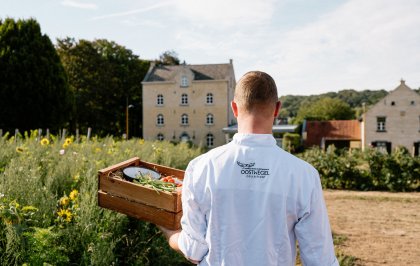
(247, 202)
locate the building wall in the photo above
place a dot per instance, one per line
(402, 126)
(197, 109)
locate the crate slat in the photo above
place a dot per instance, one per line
(140, 211)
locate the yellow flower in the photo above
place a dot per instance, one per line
(65, 214)
(68, 141)
(64, 201)
(73, 194)
(19, 149)
(141, 141)
(45, 142)
(65, 145)
(98, 150)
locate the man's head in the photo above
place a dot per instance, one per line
(255, 91)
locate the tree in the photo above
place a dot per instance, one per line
(103, 76)
(169, 58)
(325, 109)
(33, 85)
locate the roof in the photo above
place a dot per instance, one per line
(201, 72)
(331, 130)
(276, 128)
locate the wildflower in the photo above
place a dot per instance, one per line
(68, 141)
(19, 149)
(64, 201)
(62, 152)
(45, 142)
(98, 150)
(1, 195)
(65, 145)
(141, 141)
(65, 214)
(73, 194)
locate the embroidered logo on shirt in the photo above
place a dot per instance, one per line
(248, 171)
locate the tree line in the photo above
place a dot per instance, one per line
(74, 84)
(78, 84)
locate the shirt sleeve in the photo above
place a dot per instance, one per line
(313, 231)
(191, 240)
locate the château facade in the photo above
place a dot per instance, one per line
(188, 103)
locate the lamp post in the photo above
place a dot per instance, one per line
(127, 107)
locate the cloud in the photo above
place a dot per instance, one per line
(134, 11)
(72, 3)
(225, 13)
(361, 44)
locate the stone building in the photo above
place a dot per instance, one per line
(394, 121)
(188, 103)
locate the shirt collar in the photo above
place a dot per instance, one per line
(254, 139)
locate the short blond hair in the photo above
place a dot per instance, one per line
(255, 89)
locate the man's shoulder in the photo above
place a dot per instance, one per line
(294, 161)
(210, 155)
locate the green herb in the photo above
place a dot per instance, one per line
(158, 185)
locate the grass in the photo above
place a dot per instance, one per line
(48, 203)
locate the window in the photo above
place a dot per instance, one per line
(392, 103)
(210, 140)
(184, 99)
(159, 120)
(184, 81)
(412, 102)
(184, 119)
(380, 124)
(185, 137)
(209, 119)
(160, 137)
(159, 99)
(382, 146)
(209, 98)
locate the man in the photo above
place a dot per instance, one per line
(247, 202)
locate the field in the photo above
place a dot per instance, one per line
(49, 212)
(379, 228)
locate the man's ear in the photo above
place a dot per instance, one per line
(277, 110)
(234, 107)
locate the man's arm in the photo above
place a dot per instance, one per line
(172, 237)
(313, 231)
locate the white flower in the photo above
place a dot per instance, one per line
(62, 152)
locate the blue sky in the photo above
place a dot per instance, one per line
(308, 46)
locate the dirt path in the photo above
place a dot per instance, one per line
(381, 228)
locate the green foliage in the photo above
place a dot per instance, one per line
(169, 58)
(291, 142)
(103, 77)
(356, 100)
(368, 170)
(33, 85)
(68, 227)
(325, 109)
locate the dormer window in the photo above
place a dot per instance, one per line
(184, 81)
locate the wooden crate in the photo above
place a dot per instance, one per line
(135, 200)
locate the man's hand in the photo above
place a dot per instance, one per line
(172, 237)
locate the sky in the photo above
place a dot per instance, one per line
(307, 46)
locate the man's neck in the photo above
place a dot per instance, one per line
(253, 125)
